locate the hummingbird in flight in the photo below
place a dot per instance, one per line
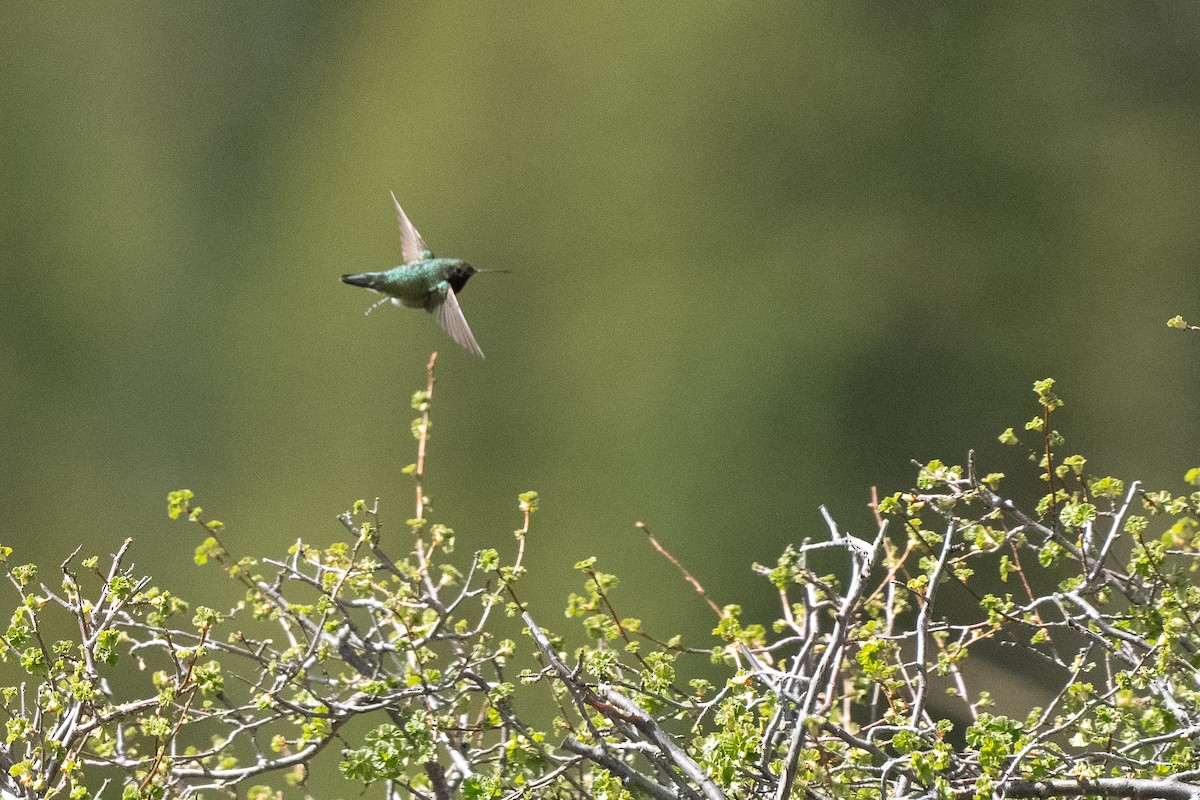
(424, 281)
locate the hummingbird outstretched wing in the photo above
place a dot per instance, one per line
(412, 246)
(449, 315)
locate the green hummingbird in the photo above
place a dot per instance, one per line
(424, 281)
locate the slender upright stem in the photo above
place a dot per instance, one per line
(423, 438)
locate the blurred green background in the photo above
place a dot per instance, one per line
(763, 254)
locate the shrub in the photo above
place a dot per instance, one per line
(862, 688)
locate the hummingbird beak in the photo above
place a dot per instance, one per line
(477, 270)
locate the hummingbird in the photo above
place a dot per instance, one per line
(424, 281)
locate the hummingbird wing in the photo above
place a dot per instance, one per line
(412, 246)
(449, 315)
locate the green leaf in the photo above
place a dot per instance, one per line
(1044, 389)
(177, 502)
(528, 502)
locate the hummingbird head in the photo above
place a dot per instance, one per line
(458, 275)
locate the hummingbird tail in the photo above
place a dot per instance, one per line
(365, 279)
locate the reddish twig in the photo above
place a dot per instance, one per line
(686, 575)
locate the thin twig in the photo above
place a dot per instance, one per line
(686, 575)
